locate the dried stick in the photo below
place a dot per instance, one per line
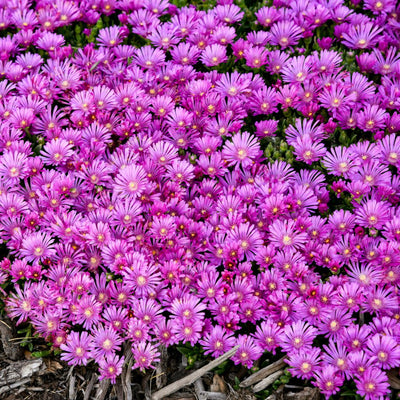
(263, 373)
(71, 388)
(102, 390)
(188, 380)
(89, 387)
(267, 381)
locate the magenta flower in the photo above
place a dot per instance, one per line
(217, 342)
(304, 363)
(243, 150)
(106, 342)
(37, 247)
(361, 36)
(247, 352)
(385, 349)
(373, 384)
(78, 348)
(329, 380)
(111, 367)
(298, 336)
(131, 181)
(283, 235)
(213, 55)
(145, 354)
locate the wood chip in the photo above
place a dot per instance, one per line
(263, 373)
(18, 372)
(188, 380)
(306, 394)
(52, 366)
(218, 384)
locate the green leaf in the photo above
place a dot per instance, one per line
(184, 350)
(39, 354)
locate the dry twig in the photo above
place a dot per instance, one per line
(188, 380)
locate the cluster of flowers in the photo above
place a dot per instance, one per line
(138, 205)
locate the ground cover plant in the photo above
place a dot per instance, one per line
(211, 174)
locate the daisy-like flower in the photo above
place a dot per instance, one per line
(111, 36)
(264, 101)
(364, 275)
(213, 55)
(298, 336)
(13, 167)
(88, 311)
(380, 6)
(77, 348)
(149, 58)
(249, 239)
(334, 323)
(131, 181)
(329, 380)
(50, 41)
(362, 36)
(303, 364)
(283, 235)
(335, 98)
(255, 56)
(390, 149)
(359, 362)
(338, 162)
(83, 101)
(381, 300)
(111, 367)
(297, 70)
(247, 352)
(37, 247)
(372, 118)
(21, 303)
(373, 214)
(163, 227)
(187, 308)
(145, 354)
(308, 151)
(373, 384)
(304, 128)
(385, 349)
(266, 128)
(285, 33)
(106, 342)
(104, 98)
(217, 342)
(228, 13)
(142, 279)
(185, 54)
(268, 336)
(232, 85)
(244, 150)
(181, 171)
(336, 354)
(164, 334)
(266, 16)
(56, 152)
